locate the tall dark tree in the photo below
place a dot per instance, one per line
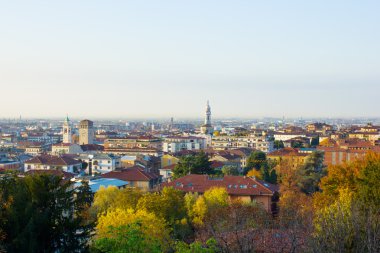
(257, 160)
(311, 172)
(45, 215)
(193, 164)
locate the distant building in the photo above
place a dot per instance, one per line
(50, 162)
(175, 144)
(100, 163)
(207, 128)
(292, 155)
(65, 148)
(136, 177)
(341, 151)
(86, 132)
(258, 142)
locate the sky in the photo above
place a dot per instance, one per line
(136, 59)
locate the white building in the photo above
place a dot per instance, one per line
(175, 144)
(100, 163)
(258, 142)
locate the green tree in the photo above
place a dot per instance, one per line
(127, 238)
(311, 172)
(197, 247)
(278, 144)
(230, 170)
(45, 214)
(257, 159)
(193, 164)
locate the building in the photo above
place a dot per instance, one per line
(99, 163)
(342, 151)
(284, 136)
(207, 128)
(67, 131)
(241, 188)
(86, 132)
(253, 141)
(292, 155)
(168, 159)
(50, 162)
(173, 144)
(132, 142)
(319, 128)
(65, 148)
(228, 159)
(136, 177)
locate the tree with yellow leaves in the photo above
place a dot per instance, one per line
(151, 227)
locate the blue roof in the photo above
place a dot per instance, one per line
(105, 182)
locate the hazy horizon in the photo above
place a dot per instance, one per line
(162, 59)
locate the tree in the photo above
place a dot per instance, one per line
(257, 159)
(112, 197)
(127, 238)
(45, 214)
(230, 170)
(311, 172)
(278, 144)
(197, 247)
(193, 164)
(151, 229)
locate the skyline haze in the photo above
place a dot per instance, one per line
(251, 59)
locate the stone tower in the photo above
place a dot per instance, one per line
(86, 132)
(66, 131)
(207, 127)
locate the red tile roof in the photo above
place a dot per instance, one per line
(135, 173)
(235, 185)
(53, 160)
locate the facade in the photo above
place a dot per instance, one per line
(284, 136)
(86, 132)
(342, 151)
(207, 128)
(131, 142)
(258, 142)
(65, 148)
(168, 159)
(66, 131)
(175, 144)
(100, 163)
(241, 188)
(50, 162)
(293, 155)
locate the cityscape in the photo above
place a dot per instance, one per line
(197, 127)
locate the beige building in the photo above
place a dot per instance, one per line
(65, 148)
(86, 132)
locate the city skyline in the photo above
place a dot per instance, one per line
(166, 59)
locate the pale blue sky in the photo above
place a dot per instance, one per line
(166, 58)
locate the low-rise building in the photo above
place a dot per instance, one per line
(66, 148)
(50, 162)
(292, 155)
(100, 163)
(175, 144)
(241, 188)
(136, 177)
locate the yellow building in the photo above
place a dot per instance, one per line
(167, 160)
(290, 154)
